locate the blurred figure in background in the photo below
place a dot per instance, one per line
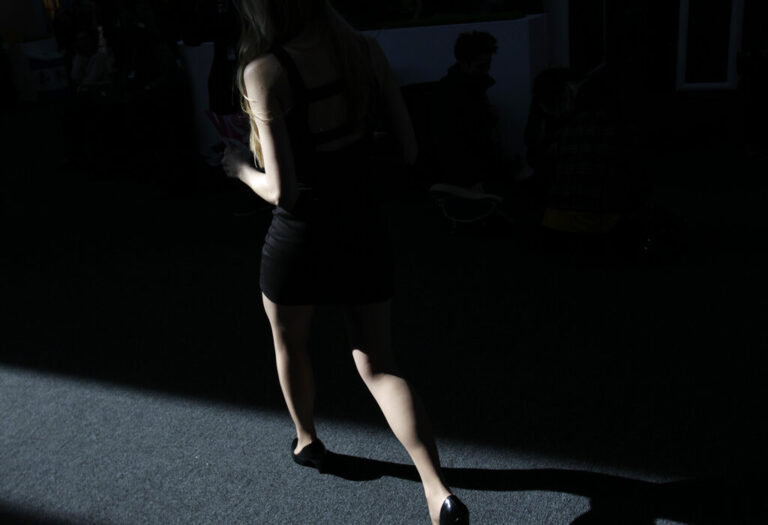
(588, 156)
(552, 104)
(124, 74)
(93, 65)
(91, 68)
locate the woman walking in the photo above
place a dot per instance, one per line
(312, 87)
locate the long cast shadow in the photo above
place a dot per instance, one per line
(613, 499)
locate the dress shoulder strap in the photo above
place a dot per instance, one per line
(308, 95)
(303, 97)
(298, 87)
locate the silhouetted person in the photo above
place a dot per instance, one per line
(466, 145)
(149, 56)
(310, 84)
(70, 20)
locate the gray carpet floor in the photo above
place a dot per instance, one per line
(86, 452)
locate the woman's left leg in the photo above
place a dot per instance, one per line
(369, 332)
(290, 333)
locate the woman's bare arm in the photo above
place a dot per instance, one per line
(277, 185)
(266, 87)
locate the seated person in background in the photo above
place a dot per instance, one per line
(466, 144)
(91, 77)
(552, 104)
(590, 153)
(92, 65)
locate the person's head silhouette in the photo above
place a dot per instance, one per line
(474, 51)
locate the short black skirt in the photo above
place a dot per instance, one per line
(327, 253)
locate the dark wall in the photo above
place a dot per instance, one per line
(641, 53)
(374, 15)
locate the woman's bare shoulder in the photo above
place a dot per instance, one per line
(263, 72)
(265, 81)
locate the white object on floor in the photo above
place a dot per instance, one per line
(464, 193)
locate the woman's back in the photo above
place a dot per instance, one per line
(312, 54)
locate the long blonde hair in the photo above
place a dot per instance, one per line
(265, 23)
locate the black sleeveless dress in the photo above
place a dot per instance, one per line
(333, 246)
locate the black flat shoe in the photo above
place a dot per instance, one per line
(454, 512)
(313, 455)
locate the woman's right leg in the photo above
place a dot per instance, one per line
(368, 328)
(290, 333)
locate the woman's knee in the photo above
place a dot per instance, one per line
(373, 365)
(368, 332)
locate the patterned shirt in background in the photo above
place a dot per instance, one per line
(592, 174)
(591, 168)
